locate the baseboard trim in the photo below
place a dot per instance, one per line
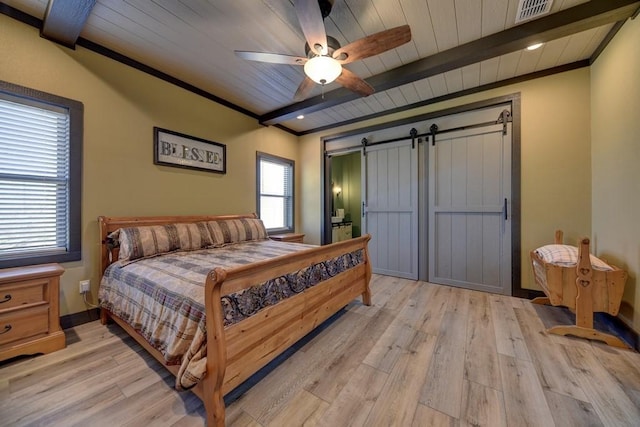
(532, 293)
(620, 329)
(70, 320)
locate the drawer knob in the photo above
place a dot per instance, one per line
(6, 329)
(7, 298)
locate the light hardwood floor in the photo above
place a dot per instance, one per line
(423, 355)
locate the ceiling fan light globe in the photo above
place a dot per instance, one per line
(322, 69)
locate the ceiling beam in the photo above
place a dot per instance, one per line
(573, 20)
(64, 20)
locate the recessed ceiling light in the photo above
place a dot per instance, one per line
(534, 46)
(300, 117)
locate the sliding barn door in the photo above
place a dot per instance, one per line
(391, 208)
(469, 203)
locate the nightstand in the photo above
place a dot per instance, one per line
(29, 310)
(288, 237)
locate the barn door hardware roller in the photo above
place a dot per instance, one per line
(434, 130)
(504, 118)
(413, 132)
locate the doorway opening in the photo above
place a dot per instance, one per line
(346, 196)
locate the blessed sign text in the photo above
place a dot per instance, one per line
(180, 150)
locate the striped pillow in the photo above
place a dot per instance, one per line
(228, 231)
(147, 241)
(567, 256)
(193, 236)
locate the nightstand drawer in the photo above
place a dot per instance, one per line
(21, 324)
(28, 292)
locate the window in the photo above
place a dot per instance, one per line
(275, 192)
(40, 177)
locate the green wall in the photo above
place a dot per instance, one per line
(346, 174)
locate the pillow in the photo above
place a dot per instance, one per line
(146, 241)
(193, 236)
(567, 256)
(236, 230)
(140, 242)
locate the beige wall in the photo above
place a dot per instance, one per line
(122, 105)
(556, 158)
(615, 134)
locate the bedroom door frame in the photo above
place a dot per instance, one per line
(352, 139)
(327, 191)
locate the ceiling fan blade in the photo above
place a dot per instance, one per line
(312, 25)
(276, 58)
(374, 44)
(354, 83)
(304, 89)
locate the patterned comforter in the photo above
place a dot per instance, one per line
(163, 297)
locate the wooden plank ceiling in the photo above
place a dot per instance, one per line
(456, 46)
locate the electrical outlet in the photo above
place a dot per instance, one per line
(85, 286)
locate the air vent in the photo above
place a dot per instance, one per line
(531, 9)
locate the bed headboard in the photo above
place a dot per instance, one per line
(108, 224)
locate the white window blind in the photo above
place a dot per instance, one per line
(34, 179)
(276, 193)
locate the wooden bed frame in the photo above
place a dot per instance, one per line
(582, 289)
(238, 351)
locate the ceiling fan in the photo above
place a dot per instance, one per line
(324, 55)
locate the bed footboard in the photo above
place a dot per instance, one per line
(238, 351)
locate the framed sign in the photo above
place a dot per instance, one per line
(183, 151)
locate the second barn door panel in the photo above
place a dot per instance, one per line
(469, 221)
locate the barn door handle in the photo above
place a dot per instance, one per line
(362, 209)
(506, 215)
